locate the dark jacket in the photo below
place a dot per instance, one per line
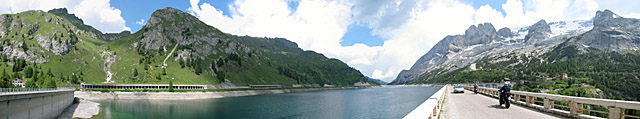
(505, 88)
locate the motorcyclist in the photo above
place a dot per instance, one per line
(475, 88)
(505, 93)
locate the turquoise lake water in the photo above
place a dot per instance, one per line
(366, 103)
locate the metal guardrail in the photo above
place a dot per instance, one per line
(16, 91)
(616, 107)
(430, 108)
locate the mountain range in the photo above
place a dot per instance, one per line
(603, 51)
(171, 46)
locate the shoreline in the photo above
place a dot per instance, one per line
(97, 95)
(83, 109)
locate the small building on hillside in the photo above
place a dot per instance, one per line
(328, 86)
(562, 76)
(361, 84)
(18, 83)
(265, 86)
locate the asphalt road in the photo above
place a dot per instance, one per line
(471, 106)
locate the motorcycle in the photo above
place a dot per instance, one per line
(504, 99)
(475, 89)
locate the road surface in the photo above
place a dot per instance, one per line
(471, 106)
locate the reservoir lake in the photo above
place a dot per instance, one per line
(362, 103)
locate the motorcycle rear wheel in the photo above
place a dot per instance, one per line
(507, 105)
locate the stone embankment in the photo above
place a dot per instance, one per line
(95, 95)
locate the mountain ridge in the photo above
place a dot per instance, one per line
(172, 46)
(601, 57)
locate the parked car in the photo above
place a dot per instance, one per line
(458, 89)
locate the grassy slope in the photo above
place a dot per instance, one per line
(262, 65)
(259, 66)
(80, 58)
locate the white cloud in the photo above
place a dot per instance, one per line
(141, 22)
(319, 25)
(411, 27)
(524, 13)
(97, 13)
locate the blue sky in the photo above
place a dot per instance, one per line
(132, 12)
(369, 23)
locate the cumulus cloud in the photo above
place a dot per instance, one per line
(97, 13)
(319, 25)
(141, 22)
(520, 13)
(410, 27)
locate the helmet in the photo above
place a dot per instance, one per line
(506, 83)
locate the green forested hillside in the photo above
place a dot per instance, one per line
(36, 43)
(616, 73)
(173, 45)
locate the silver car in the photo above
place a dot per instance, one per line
(458, 89)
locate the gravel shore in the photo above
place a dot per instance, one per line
(84, 109)
(95, 95)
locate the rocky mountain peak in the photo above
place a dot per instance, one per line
(538, 31)
(607, 20)
(86, 29)
(59, 11)
(481, 29)
(482, 34)
(505, 32)
(166, 14)
(540, 26)
(611, 32)
(602, 17)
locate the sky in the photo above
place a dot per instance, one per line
(378, 37)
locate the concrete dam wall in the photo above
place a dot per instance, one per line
(35, 105)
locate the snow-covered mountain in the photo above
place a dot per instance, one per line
(457, 51)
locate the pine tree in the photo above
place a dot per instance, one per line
(181, 62)
(135, 72)
(28, 72)
(170, 86)
(64, 79)
(24, 46)
(50, 73)
(31, 83)
(16, 75)
(220, 76)
(5, 74)
(198, 69)
(164, 71)
(49, 82)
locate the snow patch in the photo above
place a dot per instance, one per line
(473, 46)
(615, 16)
(586, 46)
(568, 27)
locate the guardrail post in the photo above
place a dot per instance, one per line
(616, 113)
(575, 108)
(517, 97)
(548, 103)
(530, 100)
